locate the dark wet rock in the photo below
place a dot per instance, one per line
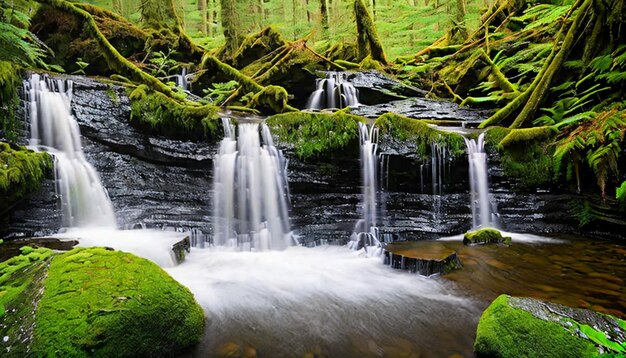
(526, 327)
(425, 264)
(423, 108)
(11, 248)
(375, 87)
(485, 236)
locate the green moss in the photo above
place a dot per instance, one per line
(156, 113)
(505, 331)
(485, 236)
(20, 286)
(256, 46)
(421, 133)
(526, 154)
(316, 134)
(272, 99)
(9, 82)
(104, 303)
(21, 173)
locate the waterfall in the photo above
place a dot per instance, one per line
(365, 231)
(250, 207)
(334, 91)
(84, 201)
(483, 213)
(181, 80)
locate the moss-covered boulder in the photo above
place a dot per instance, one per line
(485, 236)
(95, 302)
(525, 327)
(316, 134)
(21, 173)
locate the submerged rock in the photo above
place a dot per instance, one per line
(427, 260)
(95, 302)
(525, 327)
(485, 236)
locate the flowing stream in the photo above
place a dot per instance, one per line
(84, 201)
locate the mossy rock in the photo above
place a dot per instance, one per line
(485, 236)
(525, 327)
(316, 134)
(21, 173)
(10, 80)
(156, 113)
(422, 134)
(96, 302)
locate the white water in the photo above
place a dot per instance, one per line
(251, 196)
(181, 80)
(365, 231)
(84, 201)
(334, 91)
(484, 214)
(154, 245)
(285, 303)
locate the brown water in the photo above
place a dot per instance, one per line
(576, 272)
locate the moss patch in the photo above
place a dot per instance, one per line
(156, 113)
(104, 303)
(21, 280)
(485, 236)
(508, 331)
(9, 81)
(315, 134)
(21, 173)
(421, 133)
(526, 154)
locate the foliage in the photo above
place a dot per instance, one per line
(99, 302)
(161, 63)
(315, 134)
(17, 43)
(421, 133)
(220, 91)
(21, 173)
(620, 193)
(596, 143)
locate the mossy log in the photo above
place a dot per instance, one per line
(368, 42)
(116, 61)
(542, 87)
(255, 47)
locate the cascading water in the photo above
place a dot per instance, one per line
(484, 214)
(250, 191)
(181, 80)
(84, 201)
(334, 91)
(365, 231)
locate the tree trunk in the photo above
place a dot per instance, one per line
(117, 6)
(324, 15)
(368, 42)
(202, 7)
(230, 23)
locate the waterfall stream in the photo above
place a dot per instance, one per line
(334, 91)
(84, 201)
(484, 214)
(251, 197)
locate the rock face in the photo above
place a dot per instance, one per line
(94, 302)
(164, 183)
(485, 236)
(525, 327)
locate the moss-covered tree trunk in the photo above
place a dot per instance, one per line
(324, 15)
(229, 24)
(202, 7)
(368, 42)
